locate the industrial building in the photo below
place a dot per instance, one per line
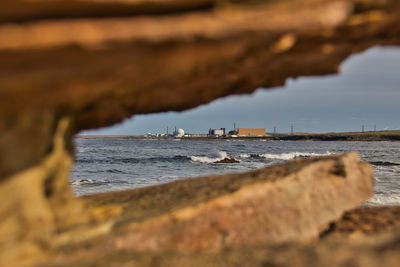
(216, 132)
(251, 132)
(179, 133)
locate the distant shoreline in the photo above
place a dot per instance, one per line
(345, 136)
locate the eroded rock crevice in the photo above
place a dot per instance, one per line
(88, 66)
(68, 66)
(38, 202)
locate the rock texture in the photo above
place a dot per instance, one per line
(292, 202)
(72, 65)
(370, 251)
(37, 203)
(367, 236)
(85, 63)
(366, 220)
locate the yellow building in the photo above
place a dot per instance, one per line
(251, 132)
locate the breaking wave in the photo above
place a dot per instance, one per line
(222, 155)
(387, 200)
(88, 182)
(285, 156)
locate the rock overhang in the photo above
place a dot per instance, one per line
(84, 66)
(65, 68)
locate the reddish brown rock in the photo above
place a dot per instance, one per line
(366, 220)
(97, 69)
(284, 203)
(371, 251)
(68, 60)
(94, 63)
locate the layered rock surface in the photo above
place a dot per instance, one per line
(99, 62)
(292, 202)
(369, 251)
(72, 65)
(83, 64)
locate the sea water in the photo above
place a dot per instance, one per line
(105, 164)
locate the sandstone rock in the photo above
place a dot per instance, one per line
(372, 251)
(27, 10)
(366, 220)
(284, 203)
(198, 56)
(96, 62)
(346, 244)
(91, 58)
(37, 203)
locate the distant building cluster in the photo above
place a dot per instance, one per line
(251, 132)
(179, 132)
(237, 132)
(215, 133)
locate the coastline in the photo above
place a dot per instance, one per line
(146, 217)
(345, 136)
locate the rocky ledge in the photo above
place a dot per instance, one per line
(68, 66)
(288, 203)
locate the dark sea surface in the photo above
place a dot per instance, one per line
(119, 163)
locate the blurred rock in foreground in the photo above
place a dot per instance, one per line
(365, 251)
(289, 202)
(68, 66)
(292, 202)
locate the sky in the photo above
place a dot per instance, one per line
(366, 92)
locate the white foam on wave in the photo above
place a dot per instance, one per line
(87, 182)
(293, 155)
(287, 156)
(82, 149)
(222, 155)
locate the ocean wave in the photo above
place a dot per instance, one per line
(254, 156)
(82, 150)
(286, 156)
(88, 182)
(384, 163)
(388, 200)
(132, 160)
(222, 155)
(114, 171)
